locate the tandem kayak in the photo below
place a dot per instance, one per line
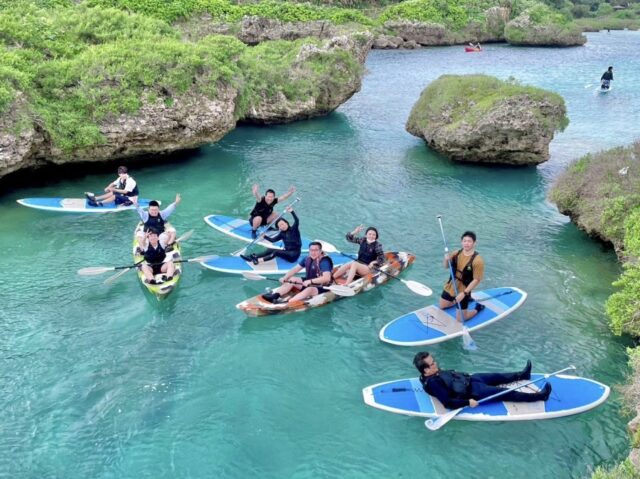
(569, 395)
(163, 288)
(241, 229)
(75, 205)
(276, 266)
(258, 306)
(470, 49)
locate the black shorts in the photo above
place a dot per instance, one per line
(264, 219)
(122, 199)
(156, 268)
(464, 304)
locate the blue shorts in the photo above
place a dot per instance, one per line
(122, 199)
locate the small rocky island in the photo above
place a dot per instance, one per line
(481, 119)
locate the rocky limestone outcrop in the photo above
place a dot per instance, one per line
(331, 89)
(513, 130)
(254, 30)
(523, 31)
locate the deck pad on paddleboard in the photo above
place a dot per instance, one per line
(432, 325)
(569, 395)
(276, 266)
(240, 229)
(75, 205)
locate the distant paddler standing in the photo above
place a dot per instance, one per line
(468, 267)
(289, 234)
(154, 257)
(370, 254)
(122, 191)
(606, 79)
(262, 213)
(157, 220)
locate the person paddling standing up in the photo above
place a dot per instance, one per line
(290, 236)
(154, 219)
(262, 213)
(468, 268)
(123, 191)
(606, 79)
(370, 254)
(154, 257)
(317, 268)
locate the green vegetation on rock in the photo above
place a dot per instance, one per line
(455, 14)
(624, 470)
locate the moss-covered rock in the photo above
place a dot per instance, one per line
(478, 118)
(542, 26)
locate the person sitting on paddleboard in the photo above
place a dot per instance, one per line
(156, 219)
(262, 213)
(370, 254)
(456, 389)
(124, 191)
(606, 79)
(290, 236)
(154, 256)
(317, 268)
(468, 267)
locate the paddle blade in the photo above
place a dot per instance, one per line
(202, 259)
(436, 423)
(94, 270)
(185, 236)
(327, 247)
(341, 290)
(113, 278)
(418, 288)
(467, 341)
(253, 276)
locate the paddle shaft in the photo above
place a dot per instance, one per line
(451, 273)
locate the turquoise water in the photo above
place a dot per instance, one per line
(101, 381)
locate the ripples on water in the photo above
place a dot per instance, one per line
(100, 381)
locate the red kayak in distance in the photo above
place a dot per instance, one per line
(469, 49)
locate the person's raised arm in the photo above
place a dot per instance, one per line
(292, 190)
(256, 192)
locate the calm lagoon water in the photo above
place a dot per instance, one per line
(101, 381)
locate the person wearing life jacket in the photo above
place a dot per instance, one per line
(157, 220)
(123, 191)
(317, 267)
(154, 259)
(455, 389)
(370, 255)
(262, 213)
(606, 79)
(468, 267)
(289, 234)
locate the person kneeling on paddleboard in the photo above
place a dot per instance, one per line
(370, 254)
(606, 79)
(455, 389)
(317, 268)
(156, 219)
(262, 213)
(468, 267)
(124, 191)
(154, 256)
(290, 236)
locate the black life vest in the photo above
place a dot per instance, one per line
(367, 252)
(122, 184)
(312, 268)
(465, 276)
(154, 255)
(155, 223)
(263, 209)
(457, 383)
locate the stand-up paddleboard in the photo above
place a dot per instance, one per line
(279, 266)
(432, 325)
(605, 90)
(75, 205)
(569, 395)
(240, 229)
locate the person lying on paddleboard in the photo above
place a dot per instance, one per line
(468, 267)
(290, 236)
(370, 254)
(262, 213)
(156, 219)
(456, 389)
(124, 191)
(154, 256)
(317, 268)
(606, 79)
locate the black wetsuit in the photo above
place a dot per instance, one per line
(263, 210)
(292, 243)
(606, 79)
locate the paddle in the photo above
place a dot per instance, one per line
(434, 424)
(418, 288)
(197, 259)
(467, 341)
(264, 232)
(335, 288)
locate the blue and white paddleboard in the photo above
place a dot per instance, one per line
(240, 229)
(432, 325)
(236, 265)
(75, 205)
(605, 90)
(569, 395)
